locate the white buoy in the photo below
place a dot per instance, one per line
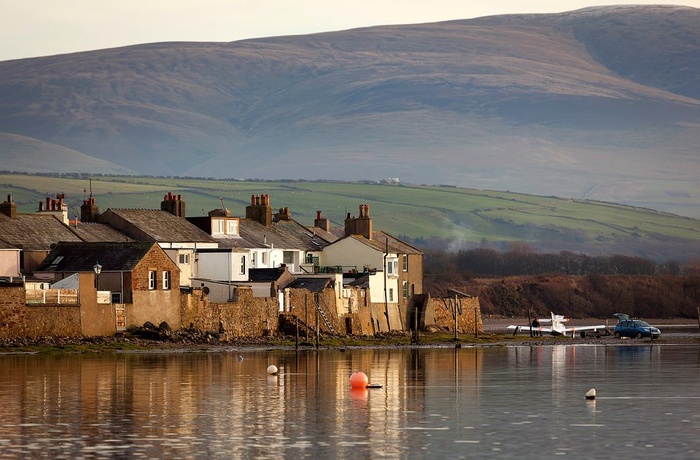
(590, 394)
(272, 369)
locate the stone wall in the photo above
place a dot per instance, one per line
(246, 316)
(302, 303)
(13, 310)
(53, 321)
(19, 320)
(437, 316)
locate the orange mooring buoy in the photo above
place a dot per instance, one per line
(359, 380)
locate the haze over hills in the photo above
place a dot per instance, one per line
(601, 103)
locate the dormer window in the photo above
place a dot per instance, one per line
(217, 227)
(232, 227)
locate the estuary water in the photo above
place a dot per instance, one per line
(487, 402)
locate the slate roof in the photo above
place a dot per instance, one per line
(284, 234)
(312, 284)
(264, 274)
(379, 243)
(81, 257)
(157, 225)
(6, 245)
(94, 232)
(34, 232)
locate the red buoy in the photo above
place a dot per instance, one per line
(359, 380)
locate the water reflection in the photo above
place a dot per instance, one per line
(498, 402)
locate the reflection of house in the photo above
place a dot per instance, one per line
(139, 277)
(168, 227)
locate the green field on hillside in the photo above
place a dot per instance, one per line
(464, 216)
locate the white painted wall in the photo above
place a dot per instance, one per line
(222, 266)
(350, 252)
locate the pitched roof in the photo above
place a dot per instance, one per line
(312, 284)
(395, 245)
(81, 257)
(265, 274)
(94, 232)
(283, 234)
(382, 241)
(34, 231)
(6, 245)
(156, 225)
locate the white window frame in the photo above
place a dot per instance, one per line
(152, 280)
(242, 265)
(184, 258)
(232, 227)
(166, 280)
(404, 289)
(405, 262)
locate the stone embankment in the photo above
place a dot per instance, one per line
(151, 337)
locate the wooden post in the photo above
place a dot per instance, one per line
(296, 339)
(476, 324)
(318, 332)
(529, 322)
(455, 315)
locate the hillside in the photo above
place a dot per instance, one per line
(443, 217)
(601, 104)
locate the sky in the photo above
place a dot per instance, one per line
(30, 28)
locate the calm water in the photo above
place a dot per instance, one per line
(501, 402)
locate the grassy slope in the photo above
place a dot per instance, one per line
(454, 214)
(534, 103)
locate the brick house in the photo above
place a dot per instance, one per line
(137, 282)
(168, 227)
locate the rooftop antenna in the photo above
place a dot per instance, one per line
(222, 203)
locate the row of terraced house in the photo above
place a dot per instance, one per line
(107, 272)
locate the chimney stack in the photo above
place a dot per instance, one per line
(322, 222)
(361, 225)
(259, 210)
(89, 210)
(173, 204)
(9, 208)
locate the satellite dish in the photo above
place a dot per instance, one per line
(205, 290)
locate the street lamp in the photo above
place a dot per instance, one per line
(98, 269)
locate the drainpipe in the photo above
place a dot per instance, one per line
(386, 294)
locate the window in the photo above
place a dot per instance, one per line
(252, 259)
(232, 227)
(242, 265)
(404, 289)
(288, 257)
(166, 280)
(391, 294)
(264, 258)
(217, 226)
(392, 266)
(116, 297)
(151, 279)
(184, 259)
(405, 262)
